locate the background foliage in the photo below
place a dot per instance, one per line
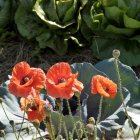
(99, 24)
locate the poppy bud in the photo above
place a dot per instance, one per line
(90, 127)
(2, 133)
(1, 100)
(91, 120)
(12, 123)
(116, 53)
(36, 123)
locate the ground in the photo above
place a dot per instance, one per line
(12, 52)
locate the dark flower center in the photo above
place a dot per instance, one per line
(34, 107)
(62, 80)
(24, 80)
(106, 89)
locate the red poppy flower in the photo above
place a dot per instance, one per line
(33, 106)
(61, 83)
(24, 78)
(104, 86)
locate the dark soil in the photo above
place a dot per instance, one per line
(12, 52)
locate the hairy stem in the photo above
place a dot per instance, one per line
(122, 98)
(22, 122)
(70, 113)
(98, 118)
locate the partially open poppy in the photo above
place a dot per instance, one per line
(33, 106)
(104, 86)
(24, 78)
(61, 83)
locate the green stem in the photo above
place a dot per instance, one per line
(41, 138)
(9, 120)
(61, 117)
(122, 98)
(98, 117)
(138, 133)
(95, 132)
(100, 110)
(70, 113)
(66, 131)
(85, 133)
(21, 123)
(50, 127)
(14, 131)
(79, 107)
(5, 112)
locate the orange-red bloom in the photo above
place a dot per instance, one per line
(104, 86)
(61, 83)
(24, 78)
(33, 106)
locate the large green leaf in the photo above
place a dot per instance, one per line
(113, 116)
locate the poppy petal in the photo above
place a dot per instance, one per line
(20, 70)
(62, 90)
(39, 78)
(59, 70)
(104, 86)
(18, 90)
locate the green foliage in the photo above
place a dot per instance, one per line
(51, 23)
(7, 9)
(113, 25)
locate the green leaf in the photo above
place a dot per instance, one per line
(130, 49)
(28, 25)
(131, 23)
(53, 41)
(134, 113)
(115, 30)
(114, 14)
(113, 116)
(53, 23)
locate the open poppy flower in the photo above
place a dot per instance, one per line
(104, 86)
(33, 106)
(61, 83)
(24, 78)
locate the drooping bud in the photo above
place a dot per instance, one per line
(116, 53)
(12, 123)
(91, 120)
(90, 127)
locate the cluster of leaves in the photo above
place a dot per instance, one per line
(100, 24)
(113, 114)
(113, 24)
